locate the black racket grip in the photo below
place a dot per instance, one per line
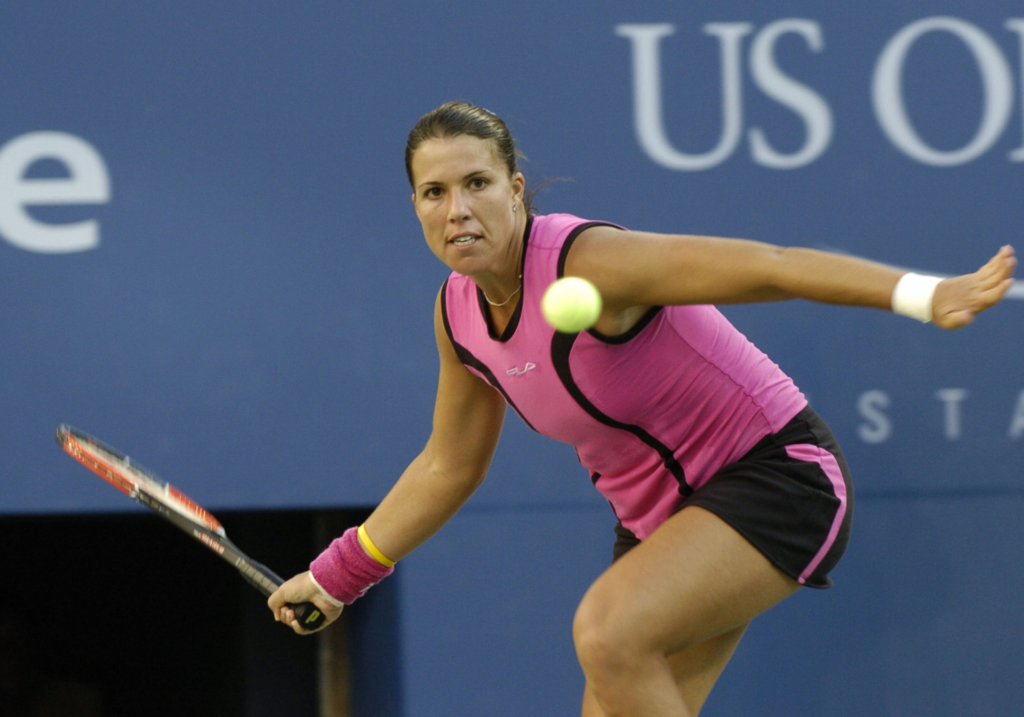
(267, 581)
(308, 614)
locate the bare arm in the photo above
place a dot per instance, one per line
(636, 270)
(468, 416)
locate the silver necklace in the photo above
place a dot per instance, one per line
(509, 296)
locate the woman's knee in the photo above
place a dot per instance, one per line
(597, 639)
(609, 638)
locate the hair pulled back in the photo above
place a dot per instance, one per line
(453, 119)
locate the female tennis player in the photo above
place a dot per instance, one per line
(731, 493)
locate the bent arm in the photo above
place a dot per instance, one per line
(636, 270)
(468, 416)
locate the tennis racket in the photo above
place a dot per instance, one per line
(131, 478)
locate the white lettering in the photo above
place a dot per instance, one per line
(870, 405)
(952, 397)
(514, 371)
(1017, 422)
(647, 111)
(783, 89)
(1017, 25)
(88, 183)
(887, 91)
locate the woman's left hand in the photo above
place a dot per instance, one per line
(959, 299)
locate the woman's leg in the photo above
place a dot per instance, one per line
(654, 632)
(695, 671)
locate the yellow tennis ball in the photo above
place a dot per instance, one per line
(571, 305)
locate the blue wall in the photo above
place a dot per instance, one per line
(208, 259)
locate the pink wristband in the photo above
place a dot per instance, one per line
(345, 571)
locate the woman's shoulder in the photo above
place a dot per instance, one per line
(553, 229)
(556, 221)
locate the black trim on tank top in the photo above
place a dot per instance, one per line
(561, 347)
(513, 322)
(468, 359)
(573, 236)
(635, 328)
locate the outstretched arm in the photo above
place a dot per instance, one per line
(636, 270)
(468, 416)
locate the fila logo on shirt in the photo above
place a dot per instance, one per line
(514, 371)
(887, 92)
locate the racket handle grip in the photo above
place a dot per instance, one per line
(308, 615)
(267, 581)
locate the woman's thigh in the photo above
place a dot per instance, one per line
(693, 579)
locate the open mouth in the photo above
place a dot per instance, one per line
(465, 240)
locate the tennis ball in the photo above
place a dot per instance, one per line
(571, 305)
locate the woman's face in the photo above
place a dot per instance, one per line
(464, 197)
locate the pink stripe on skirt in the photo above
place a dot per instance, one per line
(815, 454)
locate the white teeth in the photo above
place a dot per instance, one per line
(462, 241)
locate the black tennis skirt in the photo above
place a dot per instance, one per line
(790, 496)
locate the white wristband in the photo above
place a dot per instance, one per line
(913, 296)
(327, 596)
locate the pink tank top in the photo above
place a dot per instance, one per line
(653, 413)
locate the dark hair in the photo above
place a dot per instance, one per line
(453, 119)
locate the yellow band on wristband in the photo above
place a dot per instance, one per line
(372, 549)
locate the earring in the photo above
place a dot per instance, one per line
(515, 207)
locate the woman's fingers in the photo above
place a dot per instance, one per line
(959, 299)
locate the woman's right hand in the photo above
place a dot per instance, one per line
(300, 589)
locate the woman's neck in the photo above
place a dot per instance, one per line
(502, 287)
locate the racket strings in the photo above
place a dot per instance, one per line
(131, 478)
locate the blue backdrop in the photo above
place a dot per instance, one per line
(208, 258)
